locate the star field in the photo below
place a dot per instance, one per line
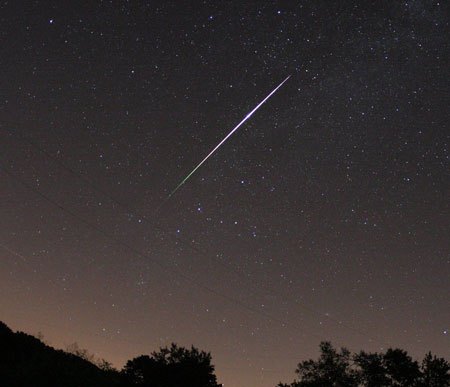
(324, 217)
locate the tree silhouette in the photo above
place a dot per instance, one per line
(435, 371)
(171, 367)
(26, 361)
(332, 369)
(400, 368)
(101, 363)
(394, 368)
(372, 372)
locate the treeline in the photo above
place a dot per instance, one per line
(393, 368)
(25, 361)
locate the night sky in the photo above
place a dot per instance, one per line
(324, 217)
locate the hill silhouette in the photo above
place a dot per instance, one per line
(25, 361)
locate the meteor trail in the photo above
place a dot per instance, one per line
(226, 138)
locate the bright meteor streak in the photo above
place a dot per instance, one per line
(226, 138)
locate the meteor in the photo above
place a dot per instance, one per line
(226, 138)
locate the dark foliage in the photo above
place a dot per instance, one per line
(171, 367)
(394, 368)
(435, 371)
(371, 369)
(332, 369)
(25, 361)
(400, 368)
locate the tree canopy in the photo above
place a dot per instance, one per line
(393, 368)
(171, 367)
(26, 361)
